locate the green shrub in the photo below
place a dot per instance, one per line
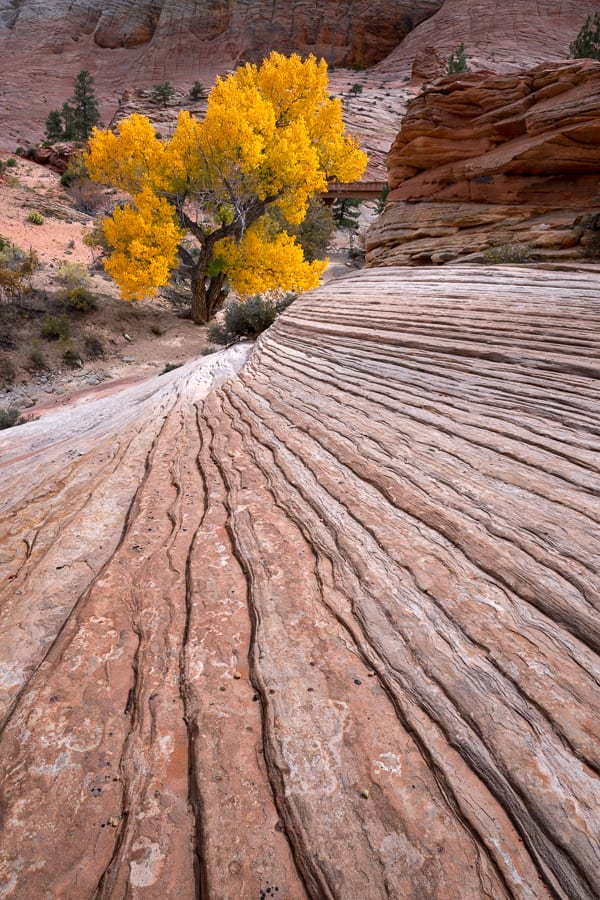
(71, 275)
(247, 318)
(75, 295)
(162, 93)
(35, 217)
(457, 61)
(509, 252)
(78, 300)
(587, 43)
(10, 417)
(11, 162)
(170, 367)
(356, 89)
(196, 90)
(55, 328)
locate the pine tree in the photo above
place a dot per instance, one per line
(457, 61)
(346, 214)
(587, 43)
(78, 116)
(68, 118)
(84, 106)
(54, 126)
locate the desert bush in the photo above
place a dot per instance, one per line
(356, 89)
(37, 361)
(156, 329)
(16, 271)
(55, 328)
(11, 162)
(72, 275)
(509, 252)
(75, 295)
(71, 357)
(247, 318)
(196, 90)
(93, 346)
(35, 217)
(87, 196)
(170, 367)
(77, 300)
(7, 372)
(162, 93)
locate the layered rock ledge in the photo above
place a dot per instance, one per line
(485, 159)
(328, 630)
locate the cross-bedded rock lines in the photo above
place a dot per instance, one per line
(345, 641)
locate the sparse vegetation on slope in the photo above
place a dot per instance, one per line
(259, 147)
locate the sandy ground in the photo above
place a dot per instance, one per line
(139, 339)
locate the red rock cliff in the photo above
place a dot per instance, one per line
(484, 158)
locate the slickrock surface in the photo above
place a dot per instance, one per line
(330, 630)
(483, 159)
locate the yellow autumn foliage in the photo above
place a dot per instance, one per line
(271, 137)
(145, 239)
(261, 263)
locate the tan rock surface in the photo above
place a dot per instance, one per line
(483, 158)
(330, 630)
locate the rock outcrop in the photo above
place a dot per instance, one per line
(329, 630)
(486, 159)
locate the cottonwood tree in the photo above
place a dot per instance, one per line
(272, 138)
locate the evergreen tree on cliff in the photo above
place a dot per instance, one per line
(587, 43)
(78, 116)
(272, 138)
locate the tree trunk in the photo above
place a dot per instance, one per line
(208, 295)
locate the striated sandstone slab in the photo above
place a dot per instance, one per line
(483, 158)
(330, 630)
